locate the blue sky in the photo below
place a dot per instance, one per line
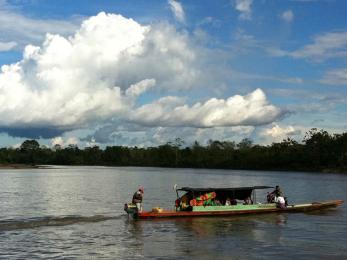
(147, 72)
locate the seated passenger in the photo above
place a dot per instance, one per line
(271, 197)
(233, 202)
(280, 202)
(183, 202)
(227, 202)
(248, 201)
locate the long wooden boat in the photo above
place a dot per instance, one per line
(195, 195)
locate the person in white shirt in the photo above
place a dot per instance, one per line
(280, 202)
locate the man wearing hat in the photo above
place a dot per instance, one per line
(137, 198)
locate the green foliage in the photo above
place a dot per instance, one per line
(30, 145)
(318, 151)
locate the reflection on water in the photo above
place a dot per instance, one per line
(77, 212)
(200, 237)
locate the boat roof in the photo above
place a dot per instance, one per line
(224, 189)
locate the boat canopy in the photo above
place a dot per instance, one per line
(239, 193)
(224, 189)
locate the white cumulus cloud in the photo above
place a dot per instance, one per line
(252, 109)
(278, 133)
(68, 83)
(95, 77)
(63, 143)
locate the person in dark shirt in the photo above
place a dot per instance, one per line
(278, 192)
(137, 198)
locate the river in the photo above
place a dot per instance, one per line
(77, 213)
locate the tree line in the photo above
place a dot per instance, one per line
(319, 151)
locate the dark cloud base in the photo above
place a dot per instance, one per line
(34, 133)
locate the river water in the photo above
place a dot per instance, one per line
(77, 213)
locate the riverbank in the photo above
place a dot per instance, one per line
(334, 170)
(324, 170)
(19, 166)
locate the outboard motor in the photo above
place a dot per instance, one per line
(131, 209)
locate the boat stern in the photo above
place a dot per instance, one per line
(130, 209)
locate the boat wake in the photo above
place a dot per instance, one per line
(7, 225)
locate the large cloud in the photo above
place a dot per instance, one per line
(96, 76)
(69, 82)
(170, 117)
(250, 110)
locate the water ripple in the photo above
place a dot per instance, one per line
(15, 224)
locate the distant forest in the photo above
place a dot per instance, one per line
(319, 151)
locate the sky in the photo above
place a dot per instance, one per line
(144, 73)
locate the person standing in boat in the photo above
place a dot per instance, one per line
(137, 198)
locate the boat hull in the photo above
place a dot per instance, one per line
(237, 210)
